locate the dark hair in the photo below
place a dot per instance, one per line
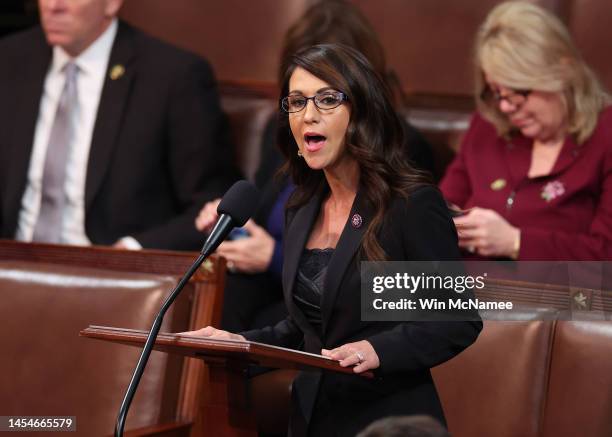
(374, 137)
(338, 22)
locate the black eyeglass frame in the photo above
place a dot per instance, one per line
(487, 95)
(285, 101)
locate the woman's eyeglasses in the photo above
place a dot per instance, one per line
(324, 100)
(494, 97)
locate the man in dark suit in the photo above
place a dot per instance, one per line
(146, 143)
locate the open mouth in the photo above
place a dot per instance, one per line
(314, 142)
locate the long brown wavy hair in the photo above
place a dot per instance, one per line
(374, 137)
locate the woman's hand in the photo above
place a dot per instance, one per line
(487, 233)
(207, 216)
(251, 254)
(361, 354)
(211, 332)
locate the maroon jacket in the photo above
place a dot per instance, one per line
(566, 215)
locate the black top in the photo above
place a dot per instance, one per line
(418, 228)
(309, 284)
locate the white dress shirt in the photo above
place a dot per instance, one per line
(92, 66)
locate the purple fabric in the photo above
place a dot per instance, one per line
(275, 227)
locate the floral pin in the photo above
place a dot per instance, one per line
(552, 190)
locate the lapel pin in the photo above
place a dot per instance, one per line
(552, 190)
(117, 71)
(356, 221)
(498, 184)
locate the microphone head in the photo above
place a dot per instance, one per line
(239, 202)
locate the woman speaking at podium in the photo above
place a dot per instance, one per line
(356, 199)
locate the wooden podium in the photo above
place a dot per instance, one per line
(226, 409)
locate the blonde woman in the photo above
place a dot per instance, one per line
(533, 178)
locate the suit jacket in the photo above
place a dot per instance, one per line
(419, 228)
(565, 215)
(160, 146)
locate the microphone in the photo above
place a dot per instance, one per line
(237, 205)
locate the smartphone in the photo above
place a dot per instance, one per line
(238, 233)
(455, 211)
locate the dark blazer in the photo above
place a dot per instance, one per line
(160, 146)
(419, 228)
